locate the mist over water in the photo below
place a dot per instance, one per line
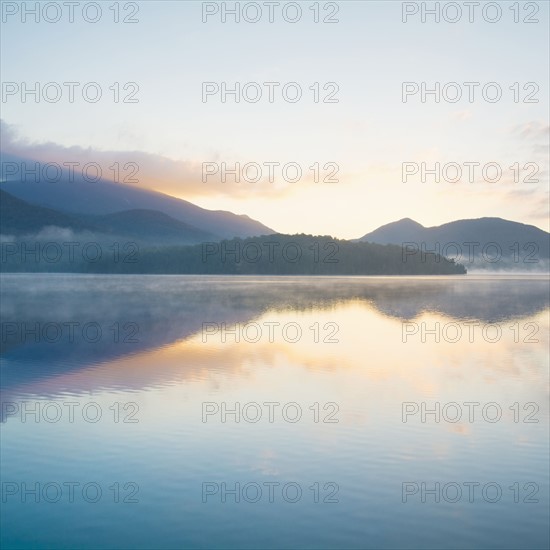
(365, 377)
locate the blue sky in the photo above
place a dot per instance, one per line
(369, 133)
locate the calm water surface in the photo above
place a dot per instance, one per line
(126, 387)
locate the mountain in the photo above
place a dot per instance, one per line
(171, 246)
(19, 218)
(393, 233)
(105, 197)
(519, 245)
(151, 226)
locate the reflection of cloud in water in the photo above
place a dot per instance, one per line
(170, 310)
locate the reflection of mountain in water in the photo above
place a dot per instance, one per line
(171, 308)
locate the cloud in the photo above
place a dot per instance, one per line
(180, 178)
(532, 130)
(461, 115)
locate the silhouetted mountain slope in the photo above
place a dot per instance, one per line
(518, 243)
(19, 218)
(393, 233)
(150, 225)
(105, 197)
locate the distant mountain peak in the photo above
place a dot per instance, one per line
(503, 237)
(406, 221)
(392, 230)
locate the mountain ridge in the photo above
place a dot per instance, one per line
(21, 218)
(76, 195)
(487, 242)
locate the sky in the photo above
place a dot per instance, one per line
(172, 130)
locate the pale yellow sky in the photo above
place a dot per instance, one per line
(363, 61)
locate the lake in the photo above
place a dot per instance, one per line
(274, 412)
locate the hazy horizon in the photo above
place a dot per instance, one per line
(172, 129)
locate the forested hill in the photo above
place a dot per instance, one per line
(266, 255)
